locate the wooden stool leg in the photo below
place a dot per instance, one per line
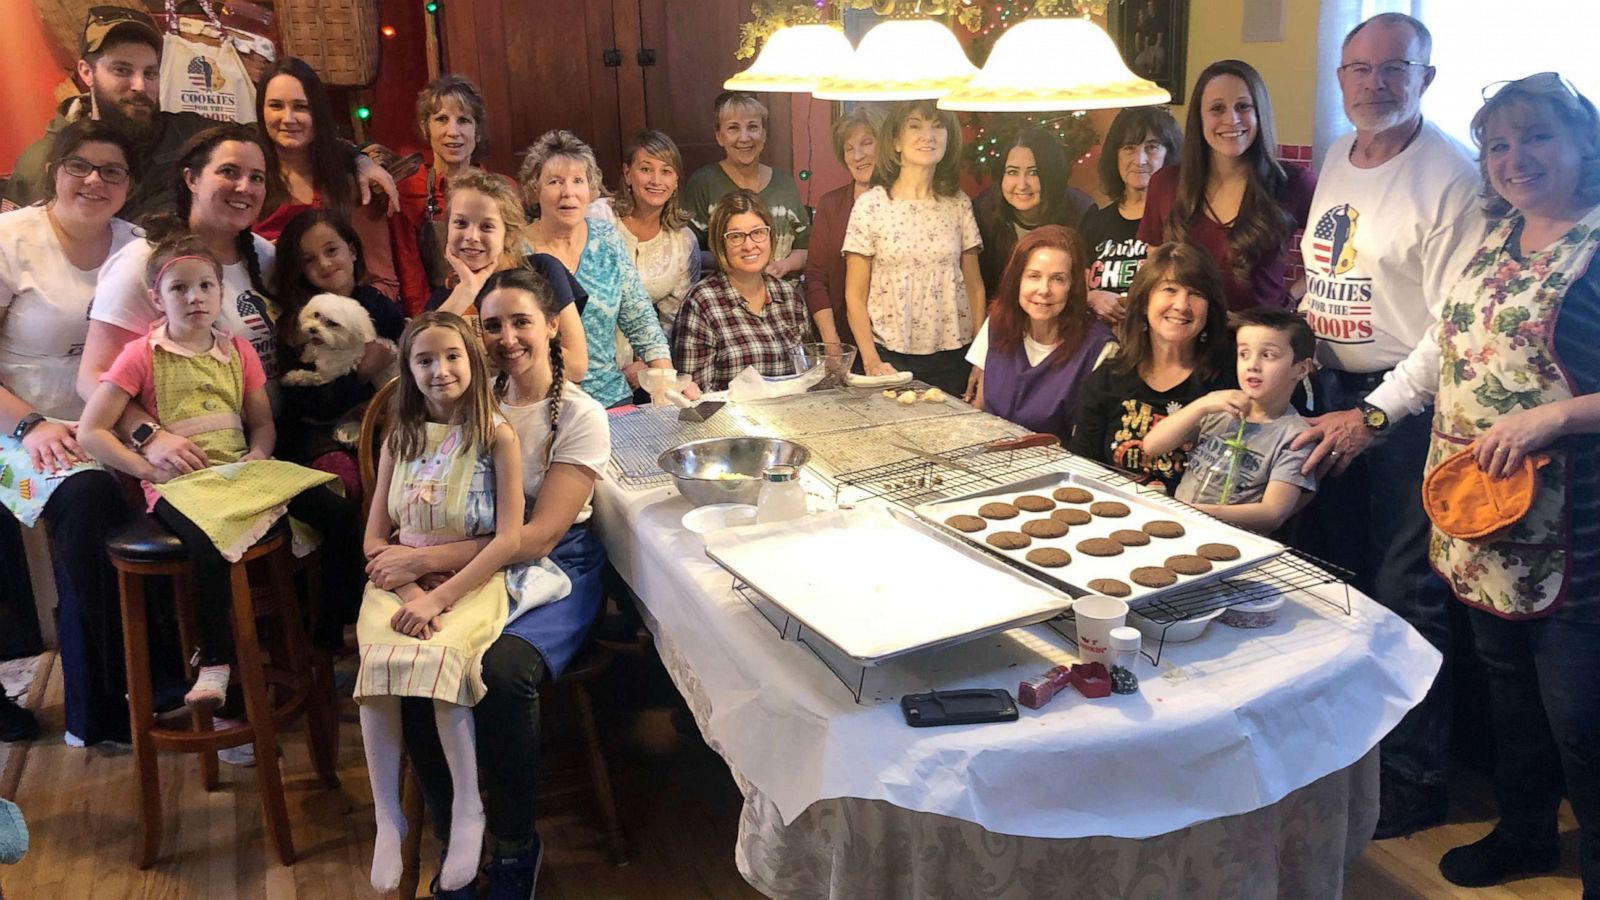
(183, 606)
(411, 847)
(301, 661)
(600, 775)
(258, 706)
(141, 715)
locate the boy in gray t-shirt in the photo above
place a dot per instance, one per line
(1253, 482)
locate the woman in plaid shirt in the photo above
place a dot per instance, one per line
(740, 316)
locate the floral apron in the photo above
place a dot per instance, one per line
(1497, 337)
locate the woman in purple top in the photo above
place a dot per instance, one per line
(1041, 338)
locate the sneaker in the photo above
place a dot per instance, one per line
(466, 892)
(210, 689)
(1495, 860)
(243, 756)
(516, 877)
(16, 723)
(1405, 807)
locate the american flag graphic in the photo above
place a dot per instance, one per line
(203, 75)
(1331, 250)
(252, 312)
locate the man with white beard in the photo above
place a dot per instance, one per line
(1393, 222)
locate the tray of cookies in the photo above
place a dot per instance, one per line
(1085, 537)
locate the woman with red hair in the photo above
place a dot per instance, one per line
(1040, 339)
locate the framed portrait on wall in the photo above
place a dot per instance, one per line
(1153, 36)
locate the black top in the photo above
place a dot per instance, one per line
(1115, 251)
(1116, 411)
(1000, 237)
(564, 283)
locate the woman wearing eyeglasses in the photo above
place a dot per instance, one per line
(741, 316)
(1519, 378)
(50, 259)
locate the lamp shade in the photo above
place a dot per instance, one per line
(901, 59)
(1048, 64)
(794, 59)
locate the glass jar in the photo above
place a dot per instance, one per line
(781, 497)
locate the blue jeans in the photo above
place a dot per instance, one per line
(1544, 696)
(1370, 520)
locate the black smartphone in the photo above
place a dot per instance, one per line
(963, 707)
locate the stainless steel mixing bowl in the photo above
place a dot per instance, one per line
(706, 471)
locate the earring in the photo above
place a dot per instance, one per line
(1205, 336)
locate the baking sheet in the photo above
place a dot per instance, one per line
(877, 586)
(1076, 575)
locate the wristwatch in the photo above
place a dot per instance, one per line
(1373, 417)
(25, 425)
(142, 434)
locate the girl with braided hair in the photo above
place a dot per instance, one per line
(565, 441)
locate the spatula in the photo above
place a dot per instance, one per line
(689, 411)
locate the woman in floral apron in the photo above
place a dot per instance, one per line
(1519, 336)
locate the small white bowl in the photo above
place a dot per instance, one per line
(1176, 633)
(717, 516)
(1254, 614)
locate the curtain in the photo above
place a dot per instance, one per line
(1334, 21)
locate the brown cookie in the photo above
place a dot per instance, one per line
(1110, 587)
(1049, 557)
(1100, 547)
(1009, 540)
(1034, 503)
(1071, 516)
(969, 524)
(1044, 528)
(1153, 577)
(1127, 537)
(1185, 564)
(1109, 509)
(1218, 552)
(1072, 495)
(997, 511)
(1163, 528)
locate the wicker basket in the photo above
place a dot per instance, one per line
(338, 38)
(64, 19)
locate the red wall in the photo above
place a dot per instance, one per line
(30, 74)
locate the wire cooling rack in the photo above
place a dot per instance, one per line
(639, 436)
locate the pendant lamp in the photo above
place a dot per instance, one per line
(794, 59)
(901, 59)
(1046, 64)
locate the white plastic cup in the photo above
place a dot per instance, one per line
(1097, 616)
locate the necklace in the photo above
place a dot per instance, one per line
(1414, 132)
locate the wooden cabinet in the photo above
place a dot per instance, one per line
(603, 69)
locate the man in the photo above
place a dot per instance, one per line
(1394, 219)
(120, 64)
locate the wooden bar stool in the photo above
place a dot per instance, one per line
(147, 549)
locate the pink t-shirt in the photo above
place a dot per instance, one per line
(134, 370)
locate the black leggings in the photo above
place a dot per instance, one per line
(507, 721)
(338, 520)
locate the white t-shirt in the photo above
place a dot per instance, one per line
(1382, 248)
(44, 305)
(979, 351)
(583, 438)
(121, 300)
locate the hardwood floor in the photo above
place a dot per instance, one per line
(678, 800)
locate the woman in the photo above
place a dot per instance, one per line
(1519, 376)
(1174, 350)
(742, 316)
(565, 442)
(855, 143)
(911, 254)
(1032, 191)
(1231, 197)
(1139, 142)
(309, 166)
(655, 226)
(50, 257)
(450, 116)
(560, 176)
(742, 134)
(1031, 356)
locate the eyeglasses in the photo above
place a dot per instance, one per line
(110, 173)
(1538, 83)
(737, 238)
(1388, 70)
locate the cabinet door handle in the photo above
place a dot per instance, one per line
(612, 58)
(646, 56)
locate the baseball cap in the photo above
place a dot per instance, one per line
(104, 21)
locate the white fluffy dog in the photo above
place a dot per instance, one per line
(336, 331)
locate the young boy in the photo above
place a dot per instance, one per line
(1274, 354)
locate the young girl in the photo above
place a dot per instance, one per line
(321, 253)
(450, 469)
(485, 233)
(210, 388)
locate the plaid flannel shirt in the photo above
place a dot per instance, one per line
(716, 337)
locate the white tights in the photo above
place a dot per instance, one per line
(380, 733)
